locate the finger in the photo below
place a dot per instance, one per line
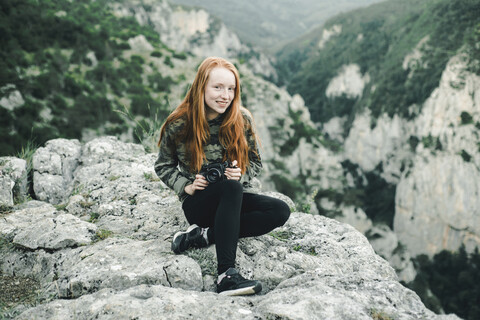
(234, 163)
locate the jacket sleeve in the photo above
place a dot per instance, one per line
(255, 161)
(166, 165)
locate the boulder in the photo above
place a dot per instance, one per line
(13, 180)
(120, 266)
(53, 167)
(42, 227)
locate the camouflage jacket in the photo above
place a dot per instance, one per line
(173, 165)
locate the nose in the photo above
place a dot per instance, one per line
(225, 93)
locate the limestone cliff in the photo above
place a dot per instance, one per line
(186, 29)
(98, 239)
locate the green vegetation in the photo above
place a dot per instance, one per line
(449, 281)
(289, 187)
(206, 259)
(379, 315)
(70, 61)
(301, 130)
(308, 250)
(370, 192)
(465, 156)
(431, 142)
(93, 217)
(5, 209)
(282, 235)
(466, 118)
(150, 177)
(378, 39)
(103, 234)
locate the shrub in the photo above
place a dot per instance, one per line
(449, 281)
(466, 118)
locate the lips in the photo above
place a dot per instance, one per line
(223, 103)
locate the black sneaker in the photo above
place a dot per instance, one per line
(192, 238)
(233, 284)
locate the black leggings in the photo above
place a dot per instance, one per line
(231, 214)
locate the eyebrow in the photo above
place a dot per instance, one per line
(220, 83)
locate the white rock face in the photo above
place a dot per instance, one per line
(412, 60)
(93, 59)
(355, 217)
(386, 143)
(140, 43)
(441, 113)
(437, 201)
(349, 81)
(194, 31)
(271, 110)
(328, 33)
(11, 100)
(438, 205)
(386, 244)
(335, 128)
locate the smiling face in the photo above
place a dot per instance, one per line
(219, 91)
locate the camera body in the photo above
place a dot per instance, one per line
(215, 172)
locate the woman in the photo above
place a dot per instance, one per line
(210, 127)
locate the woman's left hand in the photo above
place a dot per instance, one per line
(233, 172)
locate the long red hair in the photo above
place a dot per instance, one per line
(196, 131)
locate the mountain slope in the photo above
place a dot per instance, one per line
(83, 69)
(270, 24)
(379, 39)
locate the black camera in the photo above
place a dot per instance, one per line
(215, 172)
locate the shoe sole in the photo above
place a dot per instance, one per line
(176, 245)
(243, 291)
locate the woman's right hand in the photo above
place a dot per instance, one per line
(200, 183)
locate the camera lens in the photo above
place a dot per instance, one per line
(213, 175)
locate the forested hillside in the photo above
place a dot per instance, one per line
(70, 66)
(378, 39)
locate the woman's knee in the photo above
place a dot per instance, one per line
(282, 212)
(231, 187)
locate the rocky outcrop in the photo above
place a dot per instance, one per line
(195, 31)
(13, 180)
(349, 82)
(104, 253)
(53, 167)
(437, 204)
(434, 160)
(385, 144)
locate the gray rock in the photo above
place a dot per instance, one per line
(121, 263)
(13, 180)
(42, 228)
(146, 302)
(386, 244)
(6, 191)
(53, 169)
(312, 267)
(435, 212)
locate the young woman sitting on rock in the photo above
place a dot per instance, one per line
(208, 155)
